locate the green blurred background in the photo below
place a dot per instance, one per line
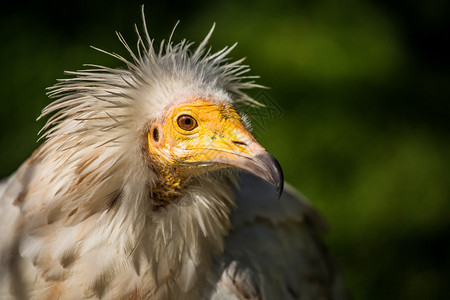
(364, 86)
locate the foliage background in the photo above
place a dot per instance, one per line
(364, 86)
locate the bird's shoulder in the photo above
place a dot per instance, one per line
(274, 250)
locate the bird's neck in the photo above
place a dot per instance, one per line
(168, 187)
(171, 182)
(181, 238)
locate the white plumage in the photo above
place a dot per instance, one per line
(81, 218)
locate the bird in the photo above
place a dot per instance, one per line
(150, 185)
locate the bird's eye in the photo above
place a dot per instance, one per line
(186, 122)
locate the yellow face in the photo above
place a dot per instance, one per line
(202, 135)
(199, 132)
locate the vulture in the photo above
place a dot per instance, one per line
(150, 185)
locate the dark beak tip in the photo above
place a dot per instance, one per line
(279, 183)
(274, 171)
(280, 188)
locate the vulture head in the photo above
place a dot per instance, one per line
(197, 134)
(169, 117)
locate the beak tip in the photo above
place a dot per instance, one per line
(280, 183)
(280, 190)
(274, 171)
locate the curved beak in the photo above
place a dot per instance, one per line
(238, 148)
(264, 165)
(222, 139)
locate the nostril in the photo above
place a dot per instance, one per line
(155, 134)
(239, 143)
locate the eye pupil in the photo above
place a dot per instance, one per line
(186, 122)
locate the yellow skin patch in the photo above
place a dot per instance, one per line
(217, 140)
